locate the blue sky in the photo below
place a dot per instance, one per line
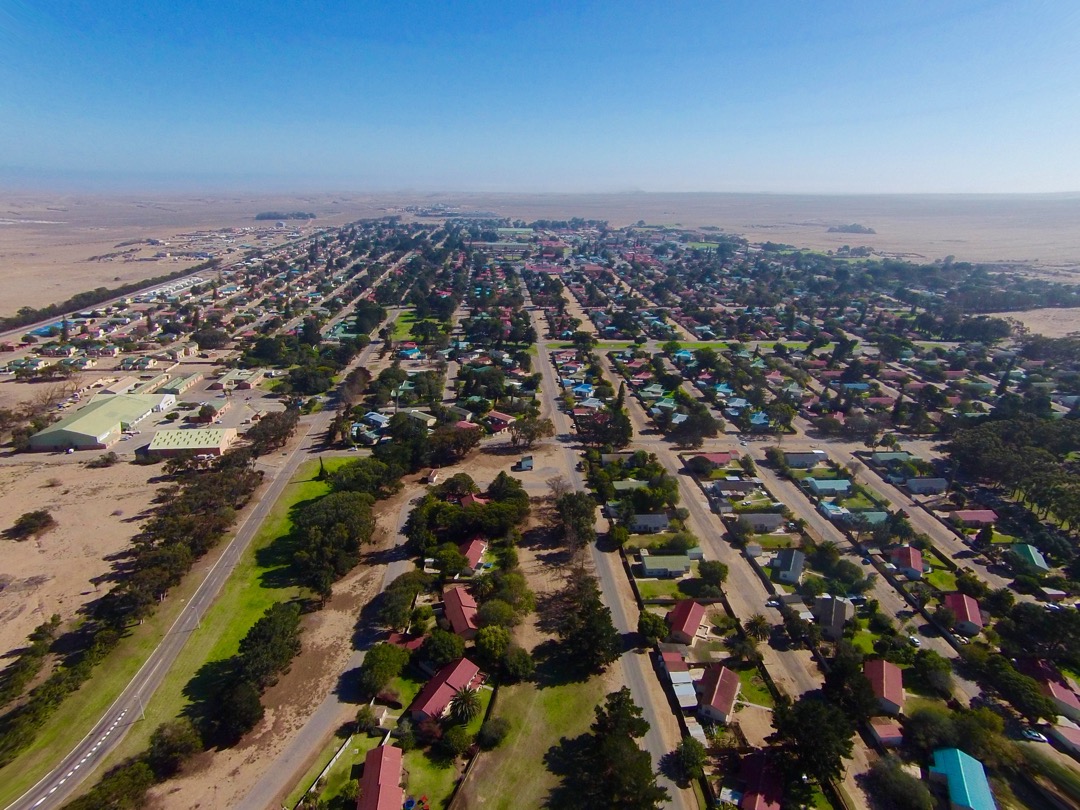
(659, 96)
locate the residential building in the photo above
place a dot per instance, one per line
(804, 460)
(888, 732)
(473, 551)
(664, 565)
(440, 690)
(887, 681)
(908, 561)
(649, 524)
(1030, 556)
(966, 610)
(763, 522)
(685, 620)
(460, 609)
(965, 778)
(763, 789)
(717, 691)
(975, 518)
(788, 565)
(828, 487)
(927, 486)
(380, 783)
(832, 614)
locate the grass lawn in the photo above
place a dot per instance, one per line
(1001, 537)
(408, 686)
(752, 688)
(349, 765)
(428, 777)
(702, 245)
(864, 641)
(261, 579)
(403, 325)
(776, 540)
(325, 755)
(659, 589)
(858, 502)
(512, 775)
(650, 541)
(942, 579)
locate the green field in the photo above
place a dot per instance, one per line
(259, 580)
(942, 579)
(512, 775)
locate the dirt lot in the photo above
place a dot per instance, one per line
(1053, 323)
(95, 511)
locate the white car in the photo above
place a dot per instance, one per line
(915, 640)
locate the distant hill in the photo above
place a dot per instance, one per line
(852, 228)
(280, 215)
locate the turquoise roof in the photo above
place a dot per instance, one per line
(966, 778)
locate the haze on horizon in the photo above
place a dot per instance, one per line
(957, 96)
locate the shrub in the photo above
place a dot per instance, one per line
(518, 664)
(493, 732)
(31, 524)
(456, 741)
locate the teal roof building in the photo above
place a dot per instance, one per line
(966, 780)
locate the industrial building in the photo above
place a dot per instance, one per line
(198, 441)
(100, 423)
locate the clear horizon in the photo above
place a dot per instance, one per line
(962, 97)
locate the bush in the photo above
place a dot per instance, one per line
(897, 788)
(382, 664)
(31, 524)
(518, 665)
(456, 741)
(366, 720)
(493, 732)
(171, 744)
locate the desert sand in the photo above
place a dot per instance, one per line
(46, 241)
(95, 511)
(1053, 323)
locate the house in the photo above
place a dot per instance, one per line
(887, 681)
(975, 518)
(828, 487)
(908, 560)
(377, 420)
(887, 732)
(804, 460)
(788, 565)
(459, 607)
(832, 613)
(717, 691)
(714, 460)
(966, 780)
(380, 784)
(673, 662)
(498, 422)
(664, 565)
(927, 486)
(685, 620)
(1030, 556)
(764, 789)
(763, 522)
(1067, 734)
(425, 419)
(438, 692)
(1054, 685)
(473, 551)
(431, 476)
(649, 524)
(966, 610)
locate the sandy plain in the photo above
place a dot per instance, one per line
(46, 241)
(1054, 323)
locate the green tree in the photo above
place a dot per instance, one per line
(652, 627)
(442, 647)
(518, 664)
(171, 744)
(818, 734)
(691, 757)
(897, 788)
(492, 644)
(465, 705)
(758, 627)
(382, 663)
(712, 572)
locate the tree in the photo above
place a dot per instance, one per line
(588, 635)
(758, 627)
(518, 665)
(456, 741)
(496, 613)
(442, 647)
(652, 627)
(465, 705)
(712, 572)
(576, 513)
(382, 663)
(493, 732)
(897, 788)
(236, 711)
(690, 756)
(818, 733)
(492, 644)
(171, 744)
(529, 430)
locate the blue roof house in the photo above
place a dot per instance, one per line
(827, 486)
(966, 780)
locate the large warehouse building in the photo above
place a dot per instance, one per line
(199, 441)
(100, 422)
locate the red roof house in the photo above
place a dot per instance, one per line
(764, 790)
(717, 690)
(968, 618)
(473, 550)
(908, 560)
(685, 620)
(887, 681)
(718, 459)
(460, 609)
(437, 693)
(887, 731)
(1054, 685)
(976, 517)
(380, 784)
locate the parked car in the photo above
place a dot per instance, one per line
(915, 640)
(1033, 735)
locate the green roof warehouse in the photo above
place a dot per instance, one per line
(100, 422)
